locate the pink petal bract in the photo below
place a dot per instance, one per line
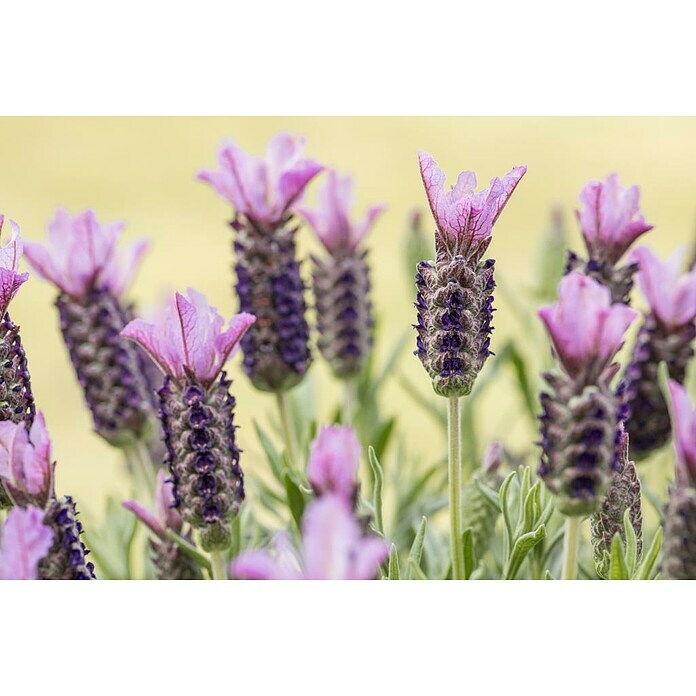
(24, 543)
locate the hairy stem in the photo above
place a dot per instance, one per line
(454, 431)
(571, 543)
(219, 567)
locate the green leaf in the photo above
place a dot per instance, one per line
(528, 392)
(416, 572)
(631, 543)
(489, 495)
(296, 500)
(522, 547)
(383, 436)
(505, 508)
(190, 550)
(618, 570)
(552, 544)
(468, 544)
(548, 576)
(111, 543)
(378, 477)
(271, 452)
(394, 572)
(645, 569)
(416, 553)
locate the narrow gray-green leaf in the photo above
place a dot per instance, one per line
(394, 572)
(618, 570)
(631, 543)
(469, 561)
(645, 569)
(378, 477)
(522, 547)
(414, 556)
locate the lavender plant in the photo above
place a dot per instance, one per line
(81, 259)
(610, 222)
(364, 503)
(666, 336)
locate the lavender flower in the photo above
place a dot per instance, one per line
(16, 398)
(197, 411)
(169, 561)
(581, 413)
(334, 547)
(666, 335)
(26, 468)
(454, 300)
(610, 222)
(334, 459)
(342, 280)
(264, 192)
(81, 259)
(679, 548)
(24, 542)
(623, 494)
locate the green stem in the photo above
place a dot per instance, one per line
(139, 457)
(217, 562)
(454, 434)
(571, 543)
(288, 431)
(350, 398)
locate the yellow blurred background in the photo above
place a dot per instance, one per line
(142, 170)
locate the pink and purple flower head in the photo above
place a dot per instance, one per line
(81, 255)
(586, 329)
(332, 221)
(10, 254)
(684, 428)
(610, 220)
(26, 465)
(166, 516)
(464, 216)
(334, 547)
(263, 189)
(188, 338)
(670, 293)
(334, 459)
(24, 543)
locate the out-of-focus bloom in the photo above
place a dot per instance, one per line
(334, 459)
(342, 280)
(263, 189)
(10, 254)
(24, 542)
(582, 416)
(169, 561)
(188, 340)
(670, 294)
(587, 330)
(684, 422)
(463, 215)
(189, 344)
(623, 494)
(80, 255)
(332, 221)
(454, 300)
(610, 220)
(67, 557)
(679, 548)
(26, 468)
(665, 336)
(82, 259)
(334, 547)
(269, 285)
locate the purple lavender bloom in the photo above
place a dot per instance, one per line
(82, 260)
(334, 459)
(24, 542)
(169, 561)
(26, 465)
(582, 416)
(679, 548)
(610, 222)
(342, 280)
(455, 300)
(264, 193)
(666, 336)
(190, 345)
(334, 547)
